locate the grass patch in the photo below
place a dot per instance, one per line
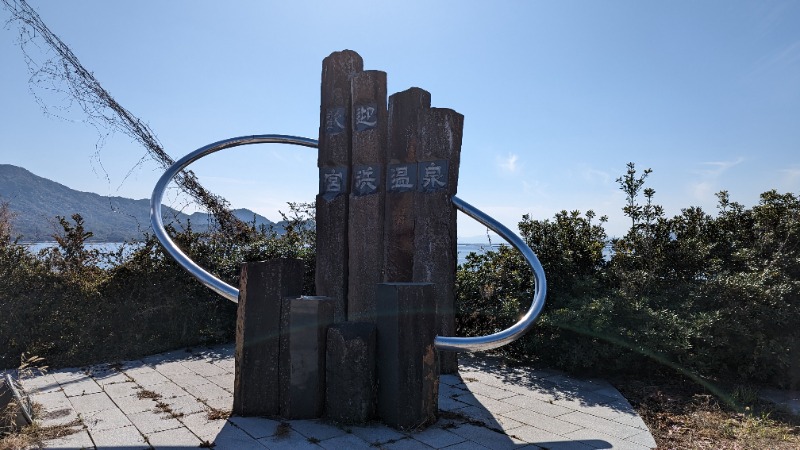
(682, 415)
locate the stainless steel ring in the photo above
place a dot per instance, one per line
(229, 292)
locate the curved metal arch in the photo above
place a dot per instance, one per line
(229, 292)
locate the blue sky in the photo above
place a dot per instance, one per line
(557, 96)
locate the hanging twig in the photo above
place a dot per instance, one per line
(101, 109)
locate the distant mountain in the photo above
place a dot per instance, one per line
(36, 202)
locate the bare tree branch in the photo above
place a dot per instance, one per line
(101, 109)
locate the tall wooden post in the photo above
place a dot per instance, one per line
(334, 173)
(366, 209)
(407, 111)
(262, 287)
(435, 241)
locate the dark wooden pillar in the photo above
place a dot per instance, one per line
(407, 111)
(262, 286)
(305, 322)
(366, 209)
(334, 173)
(435, 236)
(408, 388)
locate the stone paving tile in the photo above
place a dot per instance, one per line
(83, 387)
(222, 404)
(125, 437)
(92, 402)
(149, 378)
(223, 381)
(204, 368)
(542, 421)
(451, 404)
(132, 404)
(348, 441)
(291, 440)
(256, 427)
(184, 405)
(105, 420)
(173, 439)
(230, 437)
(42, 384)
(79, 440)
(170, 368)
(110, 377)
(117, 390)
(51, 399)
(535, 404)
(598, 423)
(490, 391)
(599, 439)
(405, 444)
(528, 405)
(207, 391)
(490, 419)
(484, 436)
(187, 379)
(168, 389)
(149, 422)
(496, 406)
(316, 429)
(437, 437)
(376, 433)
(58, 416)
(468, 445)
(200, 425)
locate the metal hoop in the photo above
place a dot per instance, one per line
(229, 292)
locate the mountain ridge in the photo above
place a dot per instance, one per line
(36, 201)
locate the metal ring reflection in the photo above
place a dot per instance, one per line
(229, 292)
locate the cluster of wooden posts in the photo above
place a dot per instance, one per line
(385, 270)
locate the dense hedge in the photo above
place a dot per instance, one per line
(709, 296)
(63, 306)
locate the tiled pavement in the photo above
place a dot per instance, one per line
(174, 400)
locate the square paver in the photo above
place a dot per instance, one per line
(105, 420)
(376, 434)
(542, 421)
(484, 436)
(234, 438)
(175, 438)
(78, 440)
(316, 429)
(204, 428)
(289, 440)
(348, 441)
(117, 390)
(257, 427)
(91, 403)
(125, 437)
(437, 437)
(149, 422)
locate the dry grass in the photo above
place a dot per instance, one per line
(682, 416)
(217, 414)
(33, 436)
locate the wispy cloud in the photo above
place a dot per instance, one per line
(708, 174)
(779, 60)
(713, 169)
(509, 163)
